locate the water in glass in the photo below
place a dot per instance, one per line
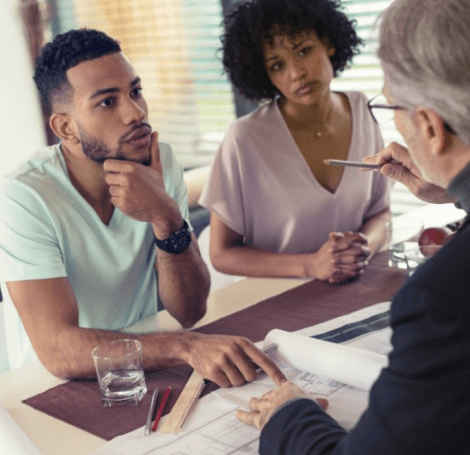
(123, 387)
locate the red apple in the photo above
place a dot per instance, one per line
(431, 237)
(449, 237)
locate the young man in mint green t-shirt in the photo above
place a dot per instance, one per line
(87, 223)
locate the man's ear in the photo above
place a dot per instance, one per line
(62, 125)
(431, 130)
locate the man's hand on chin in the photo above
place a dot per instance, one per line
(139, 192)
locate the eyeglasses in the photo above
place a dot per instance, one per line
(384, 111)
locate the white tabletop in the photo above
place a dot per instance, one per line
(434, 215)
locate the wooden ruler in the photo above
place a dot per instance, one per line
(175, 420)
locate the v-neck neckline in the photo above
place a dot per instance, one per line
(114, 216)
(302, 157)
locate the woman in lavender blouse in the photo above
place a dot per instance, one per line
(276, 208)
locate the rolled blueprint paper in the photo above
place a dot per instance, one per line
(345, 364)
(13, 440)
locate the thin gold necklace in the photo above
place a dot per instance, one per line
(318, 134)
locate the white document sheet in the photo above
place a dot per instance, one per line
(379, 343)
(342, 363)
(342, 374)
(13, 440)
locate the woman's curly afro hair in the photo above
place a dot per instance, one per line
(255, 22)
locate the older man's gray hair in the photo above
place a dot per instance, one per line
(425, 52)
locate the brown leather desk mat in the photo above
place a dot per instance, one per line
(78, 402)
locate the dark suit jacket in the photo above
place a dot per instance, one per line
(420, 404)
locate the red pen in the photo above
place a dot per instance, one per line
(161, 408)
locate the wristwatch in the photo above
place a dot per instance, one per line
(178, 242)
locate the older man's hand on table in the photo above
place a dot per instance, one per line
(263, 408)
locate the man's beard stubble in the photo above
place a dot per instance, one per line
(99, 152)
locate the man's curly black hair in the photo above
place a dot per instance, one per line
(64, 52)
(255, 22)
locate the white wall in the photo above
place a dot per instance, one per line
(21, 129)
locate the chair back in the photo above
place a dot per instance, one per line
(218, 279)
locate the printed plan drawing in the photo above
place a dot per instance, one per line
(213, 429)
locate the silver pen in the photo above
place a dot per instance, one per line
(148, 426)
(352, 163)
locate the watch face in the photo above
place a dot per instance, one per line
(180, 242)
(177, 243)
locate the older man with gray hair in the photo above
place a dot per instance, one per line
(420, 404)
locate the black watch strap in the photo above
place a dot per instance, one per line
(178, 242)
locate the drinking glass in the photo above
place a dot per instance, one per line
(402, 234)
(417, 256)
(120, 372)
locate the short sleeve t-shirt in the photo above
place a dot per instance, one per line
(261, 186)
(48, 230)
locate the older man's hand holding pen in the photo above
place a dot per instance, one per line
(395, 162)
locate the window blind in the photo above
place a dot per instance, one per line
(173, 46)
